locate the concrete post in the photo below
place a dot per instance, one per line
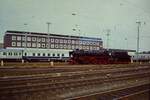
(22, 61)
(131, 61)
(52, 63)
(2, 63)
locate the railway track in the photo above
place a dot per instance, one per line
(58, 77)
(72, 84)
(13, 71)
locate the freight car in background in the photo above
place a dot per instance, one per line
(102, 56)
(142, 57)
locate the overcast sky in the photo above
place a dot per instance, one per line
(91, 17)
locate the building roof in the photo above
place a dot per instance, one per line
(59, 35)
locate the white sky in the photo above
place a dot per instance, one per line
(93, 18)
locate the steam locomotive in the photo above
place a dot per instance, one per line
(102, 56)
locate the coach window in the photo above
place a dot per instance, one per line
(58, 55)
(20, 53)
(15, 53)
(10, 53)
(62, 55)
(43, 54)
(33, 54)
(53, 55)
(4, 53)
(49, 54)
(25, 54)
(38, 54)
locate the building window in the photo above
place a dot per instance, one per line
(53, 55)
(80, 42)
(97, 43)
(13, 43)
(77, 42)
(47, 39)
(33, 44)
(23, 38)
(77, 47)
(18, 44)
(73, 47)
(43, 39)
(19, 38)
(84, 47)
(65, 46)
(87, 47)
(69, 46)
(33, 38)
(61, 40)
(23, 44)
(56, 40)
(73, 42)
(46, 45)
(97, 48)
(65, 41)
(33, 54)
(69, 41)
(62, 55)
(80, 47)
(39, 45)
(43, 45)
(52, 45)
(28, 38)
(43, 54)
(61, 46)
(39, 39)
(56, 45)
(28, 44)
(52, 40)
(13, 37)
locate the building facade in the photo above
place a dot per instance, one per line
(19, 39)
